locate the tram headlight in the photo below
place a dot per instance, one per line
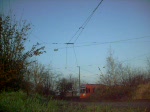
(84, 94)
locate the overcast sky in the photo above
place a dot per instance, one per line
(123, 25)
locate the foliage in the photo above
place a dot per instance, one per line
(112, 93)
(20, 102)
(142, 91)
(63, 86)
(148, 68)
(42, 79)
(121, 82)
(14, 59)
(114, 71)
(74, 81)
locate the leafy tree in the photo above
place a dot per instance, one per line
(14, 59)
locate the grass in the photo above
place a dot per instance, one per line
(142, 92)
(20, 102)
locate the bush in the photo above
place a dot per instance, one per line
(142, 92)
(19, 102)
(12, 102)
(112, 93)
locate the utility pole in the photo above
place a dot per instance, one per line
(79, 78)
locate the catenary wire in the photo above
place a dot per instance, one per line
(66, 54)
(111, 42)
(82, 27)
(87, 43)
(75, 55)
(80, 30)
(87, 21)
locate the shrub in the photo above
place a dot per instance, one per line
(112, 93)
(20, 102)
(142, 92)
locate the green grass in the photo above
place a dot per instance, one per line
(19, 102)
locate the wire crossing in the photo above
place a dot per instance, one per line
(108, 42)
(79, 32)
(82, 27)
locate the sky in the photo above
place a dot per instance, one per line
(122, 25)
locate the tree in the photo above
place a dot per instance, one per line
(41, 78)
(121, 81)
(75, 84)
(14, 58)
(116, 73)
(111, 76)
(64, 86)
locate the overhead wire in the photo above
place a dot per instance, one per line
(111, 42)
(82, 27)
(87, 21)
(123, 40)
(78, 36)
(66, 55)
(74, 35)
(88, 71)
(75, 55)
(89, 43)
(134, 58)
(93, 74)
(43, 42)
(93, 43)
(80, 30)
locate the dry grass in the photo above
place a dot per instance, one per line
(142, 92)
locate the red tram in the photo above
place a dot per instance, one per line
(87, 89)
